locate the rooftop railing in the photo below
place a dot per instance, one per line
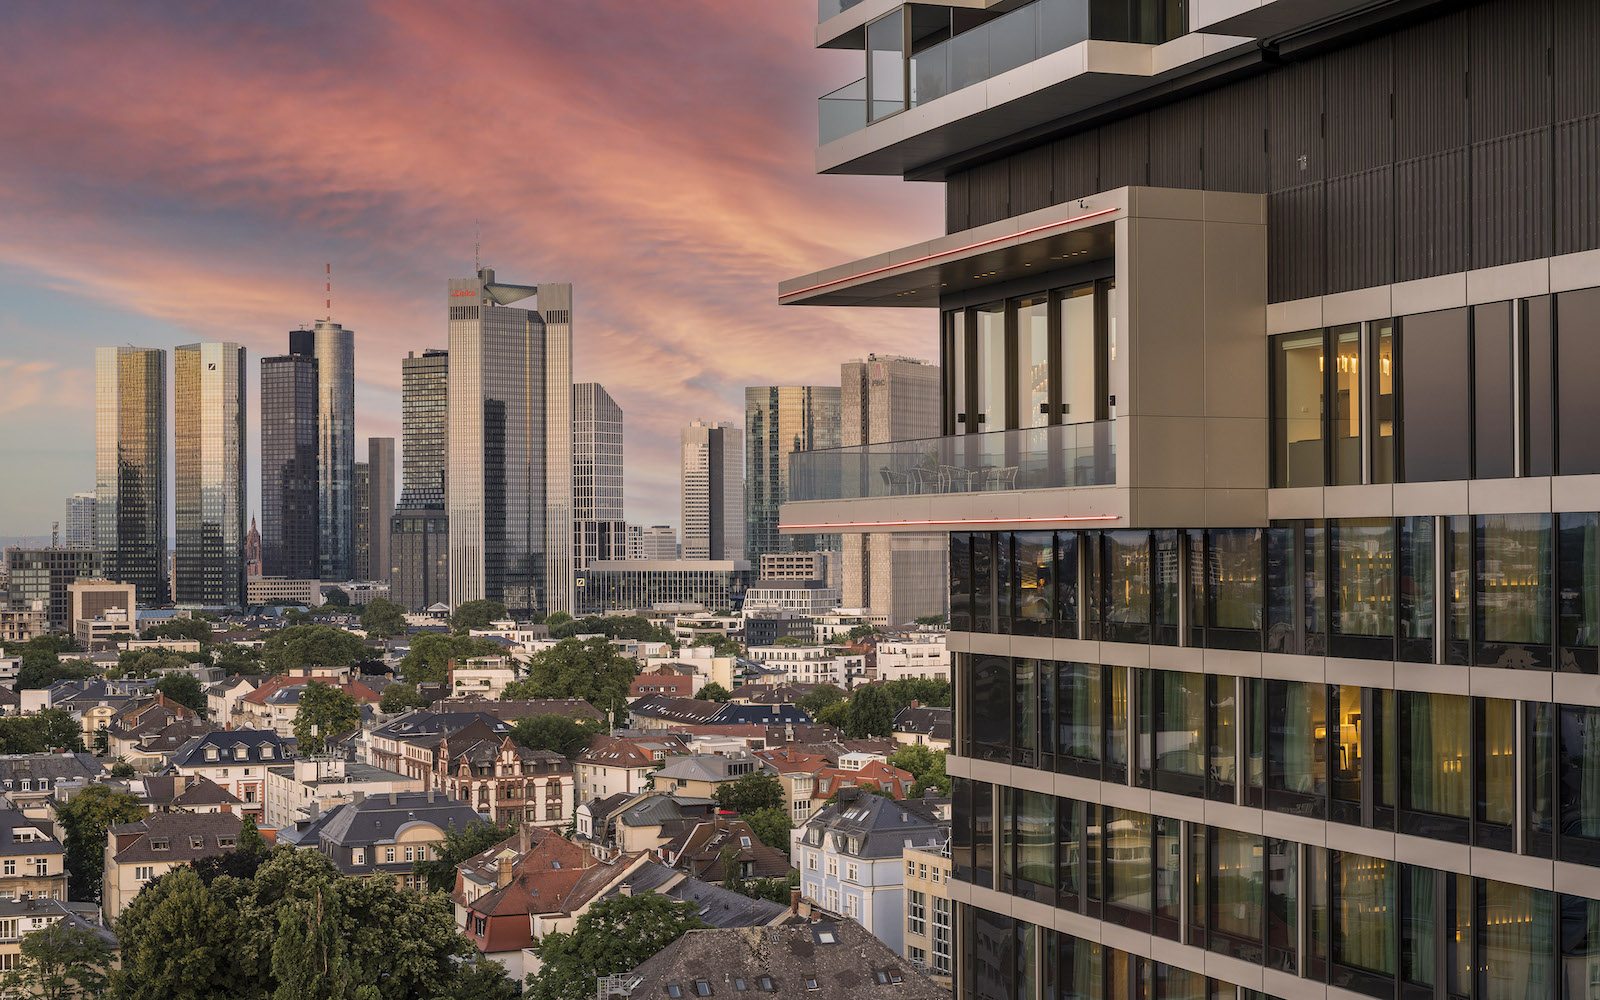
(833, 8)
(1029, 458)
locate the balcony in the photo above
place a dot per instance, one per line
(1029, 458)
(833, 8)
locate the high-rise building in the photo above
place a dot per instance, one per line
(510, 452)
(209, 475)
(780, 420)
(419, 540)
(43, 577)
(363, 519)
(335, 351)
(79, 521)
(899, 575)
(130, 433)
(654, 541)
(380, 507)
(1266, 464)
(599, 531)
(252, 551)
(712, 490)
(290, 498)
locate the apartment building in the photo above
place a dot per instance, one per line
(930, 915)
(1266, 333)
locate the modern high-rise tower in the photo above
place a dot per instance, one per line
(209, 473)
(712, 490)
(599, 531)
(780, 420)
(419, 539)
(510, 433)
(380, 506)
(900, 575)
(289, 495)
(334, 348)
(363, 520)
(131, 468)
(79, 523)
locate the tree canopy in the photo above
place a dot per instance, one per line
(184, 689)
(756, 790)
(383, 619)
(714, 692)
(592, 670)
(819, 698)
(771, 825)
(311, 645)
(146, 663)
(477, 614)
(861, 632)
(336, 597)
(637, 627)
(52, 729)
(555, 732)
(61, 961)
(926, 765)
(40, 668)
(924, 691)
(84, 819)
(180, 628)
(869, 712)
(431, 653)
(323, 712)
(611, 937)
(401, 696)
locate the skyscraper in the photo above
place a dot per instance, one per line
(654, 541)
(380, 506)
(780, 420)
(712, 490)
(418, 532)
(900, 575)
(209, 479)
(363, 519)
(599, 531)
(79, 521)
(510, 454)
(289, 494)
(131, 468)
(334, 348)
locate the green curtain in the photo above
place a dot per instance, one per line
(1441, 743)
(1363, 890)
(1080, 708)
(1580, 963)
(1418, 930)
(1517, 942)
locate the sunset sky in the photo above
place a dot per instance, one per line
(183, 171)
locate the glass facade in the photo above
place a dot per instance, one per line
(209, 475)
(130, 434)
(334, 348)
(289, 496)
(780, 420)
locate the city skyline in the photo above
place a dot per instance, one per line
(252, 210)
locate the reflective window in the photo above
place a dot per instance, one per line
(1577, 404)
(1066, 584)
(1234, 583)
(1297, 764)
(1346, 415)
(960, 582)
(1381, 388)
(1168, 873)
(1538, 450)
(991, 707)
(1494, 408)
(1579, 591)
(886, 65)
(1222, 706)
(1434, 402)
(1363, 923)
(1078, 974)
(1436, 761)
(1513, 593)
(1127, 860)
(1080, 399)
(1238, 894)
(1496, 767)
(990, 329)
(1034, 594)
(1361, 586)
(1179, 717)
(1025, 712)
(1079, 711)
(1347, 751)
(1033, 362)
(1580, 947)
(1069, 853)
(1297, 401)
(1127, 585)
(983, 834)
(1517, 944)
(1579, 757)
(1283, 887)
(1417, 590)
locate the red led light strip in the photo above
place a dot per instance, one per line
(946, 253)
(977, 520)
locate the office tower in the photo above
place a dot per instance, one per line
(209, 477)
(599, 531)
(655, 541)
(42, 577)
(418, 532)
(334, 349)
(79, 521)
(780, 420)
(712, 490)
(380, 506)
(252, 550)
(900, 575)
(363, 518)
(290, 502)
(1269, 597)
(510, 452)
(130, 434)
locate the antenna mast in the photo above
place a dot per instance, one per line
(477, 247)
(327, 288)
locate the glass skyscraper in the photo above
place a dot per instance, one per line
(712, 490)
(209, 480)
(334, 349)
(510, 451)
(418, 533)
(79, 531)
(289, 494)
(131, 468)
(780, 420)
(599, 531)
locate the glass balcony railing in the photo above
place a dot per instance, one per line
(842, 112)
(831, 8)
(1030, 458)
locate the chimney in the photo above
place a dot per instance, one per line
(625, 889)
(393, 799)
(794, 900)
(502, 874)
(523, 840)
(430, 796)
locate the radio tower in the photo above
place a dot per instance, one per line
(327, 288)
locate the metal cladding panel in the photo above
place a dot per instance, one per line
(988, 193)
(1032, 180)
(1295, 243)
(1076, 162)
(1359, 83)
(1235, 126)
(1176, 134)
(1511, 199)
(1577, 185)
(1430, 87)
(955, 203)
(1294, 126)
(1430, 208)
(1361, 229)
(1510, 82)
(1577, 72)
(1125, 153)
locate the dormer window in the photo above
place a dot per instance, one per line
(241, 753)
(196, 843)
(211, 753)
(159, 844)
(266, 752)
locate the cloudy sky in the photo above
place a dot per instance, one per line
(183, 171)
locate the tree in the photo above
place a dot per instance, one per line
(771, 825)
(477, 614)
(146, 663)
(382, 619)
(834, 715)
(431, 653)
(756, 790)
(306, 645)
(555, 732)
(122, 769)
(324, 711)
(861, 632)
(235, 659)
(439, 875)
(611, 937)
(820, 698)
(40, 669)
(867, 789)
(184, 689)
(52, 729)
(250, 840)
(922, 690)
(180, 628)
(930, 620)
(926, 765)
(399, 697)
(556, 619)
(870, 712)
(591, 669)
(85, 818)
(62, 961)
(336, 597)
(714, 692)
(789, 640)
